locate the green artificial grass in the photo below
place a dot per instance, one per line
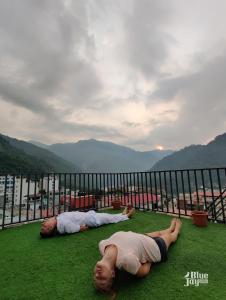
(62, 267)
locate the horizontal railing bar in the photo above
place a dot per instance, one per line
(105, 173)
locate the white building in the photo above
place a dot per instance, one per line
(22, 188)
(53, 185)
(16, 189)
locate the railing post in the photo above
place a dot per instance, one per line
(146, 189)
(69, 206)
(196, 187)
(166, 190)
(100, 190)
(20, 201)
(171, 191)
(28, 197)
(4, 202)
(138, 184)
(156, 194)
(213, 207)
(182, 182)
(189, 188)
(12, 204)
(221, 199)
(178, 202)
(160, 187)
(41, 196)
(152, 203)
(204, 188)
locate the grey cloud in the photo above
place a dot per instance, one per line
(154, 122)
(205, 85)
(20, 96)
(145, 36)
(45, 40)
(95, 131)
(48, 56)
(53, 119)
(130, 124)
(167, 111)
(202, 95)
(141, 143)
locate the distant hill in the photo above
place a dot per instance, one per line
(18, 155)
(97, 156)
(196, 156)
(38, 144)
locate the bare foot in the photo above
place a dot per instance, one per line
(131, 212)
(178, 225)
(173, 224)
(125, 212)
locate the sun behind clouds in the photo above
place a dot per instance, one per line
(159, 147)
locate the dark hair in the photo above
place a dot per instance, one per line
(49, 234)
(111, 293)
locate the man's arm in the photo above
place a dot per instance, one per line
(144, 269)
(71, 227)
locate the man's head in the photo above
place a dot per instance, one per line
(48, 227)
(104, 276)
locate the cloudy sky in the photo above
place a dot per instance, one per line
(140, 73)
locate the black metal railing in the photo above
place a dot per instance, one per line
(217, 207)
(29, 197)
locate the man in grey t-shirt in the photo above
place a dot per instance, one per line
(132, 252)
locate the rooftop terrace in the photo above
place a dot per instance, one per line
(61, 267)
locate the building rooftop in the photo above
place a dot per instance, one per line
(61, 267)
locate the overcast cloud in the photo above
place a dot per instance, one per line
(140, 73)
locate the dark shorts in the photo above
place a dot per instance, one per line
(162, 247)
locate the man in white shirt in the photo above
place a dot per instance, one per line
(133, 252)
(75, 221)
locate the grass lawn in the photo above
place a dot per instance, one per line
(61, 267)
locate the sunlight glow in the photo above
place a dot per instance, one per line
(159, 147)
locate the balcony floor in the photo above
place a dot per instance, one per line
(61, 267)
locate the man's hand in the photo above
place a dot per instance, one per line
(83, 228)
(144, 269)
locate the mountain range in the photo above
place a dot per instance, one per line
(211, 155)
(83, 156)
(19, 156)
(98, 156)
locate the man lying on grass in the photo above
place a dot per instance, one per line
(133, 252)
(75, 221)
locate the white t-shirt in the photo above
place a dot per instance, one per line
(69, 222)
(133, 248)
